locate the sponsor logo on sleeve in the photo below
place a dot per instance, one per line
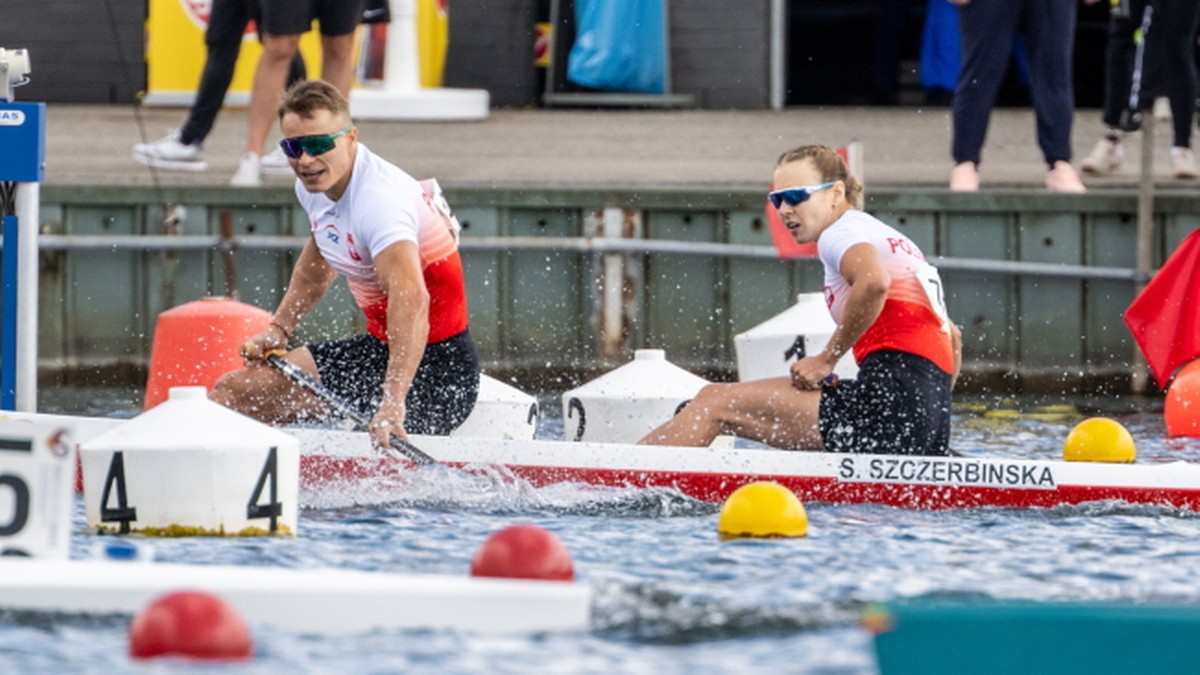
(946, 471)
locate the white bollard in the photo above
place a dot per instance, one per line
(402, 97)
(192, 467)
(625, 404)
(37, 488)
(502, 412)
(768, 349)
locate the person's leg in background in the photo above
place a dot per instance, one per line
(1108, 153)
(1049, 28)
(1181, 18)
(338, 20)
(987, 30)
(275, 162)
(282, 24)
(184, 149)
(1164, 64)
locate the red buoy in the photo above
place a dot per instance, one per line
(198, 342)
(1181, 408)
(192, 624)
(523, 552)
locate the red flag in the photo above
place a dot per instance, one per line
(785, 244)
(1164, 318)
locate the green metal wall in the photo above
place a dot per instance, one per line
(535, 309)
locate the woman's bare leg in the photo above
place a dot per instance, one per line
(770, 411)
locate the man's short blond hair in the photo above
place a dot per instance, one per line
(306, 97)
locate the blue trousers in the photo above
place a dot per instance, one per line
(988, 30)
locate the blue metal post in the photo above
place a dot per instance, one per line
(8, 320)
(22, 161)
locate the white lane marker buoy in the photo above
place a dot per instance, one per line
(192, 467)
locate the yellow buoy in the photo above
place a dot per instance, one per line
(762, 509)
(1099, 439)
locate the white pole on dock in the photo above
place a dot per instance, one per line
(778, 54)
(28, 195)
(402, 97)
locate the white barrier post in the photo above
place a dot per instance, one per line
(402, 97)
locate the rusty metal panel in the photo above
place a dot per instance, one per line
(260, 277)
(1109, 346)
(51, 291)
(1174, 228)
(1051, 309)
(174, 277)
(104, 315)
(687, 296)
(483, 277)
(543, 315)
(759, 288)
(981, 303)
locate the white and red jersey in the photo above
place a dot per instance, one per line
(384, 205)
(913, 319)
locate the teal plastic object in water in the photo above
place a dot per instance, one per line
(1028, 638)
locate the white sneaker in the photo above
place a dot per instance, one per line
(1105, 157)
(169, 153)
(1162, 109)
(1183, 162)
(249, 172)
(276, 164)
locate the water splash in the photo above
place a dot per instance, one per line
(494, 489)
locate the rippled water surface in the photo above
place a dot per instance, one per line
(668, 596)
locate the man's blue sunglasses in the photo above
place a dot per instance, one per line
(796, 195)
(313, 145)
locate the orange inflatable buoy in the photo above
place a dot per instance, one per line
(196, 343)
(1181, 409)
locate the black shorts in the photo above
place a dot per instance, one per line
(294, 17)
(898, 405)
(443, 391)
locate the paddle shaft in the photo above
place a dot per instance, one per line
(301, 378)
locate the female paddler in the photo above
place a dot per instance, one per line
(888, 304)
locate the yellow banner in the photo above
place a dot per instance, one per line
(175, 50)
(433, 35)
(175, 53)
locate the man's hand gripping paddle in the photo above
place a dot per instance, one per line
(302, 379)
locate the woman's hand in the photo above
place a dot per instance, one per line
(809, 373)
(388, 420)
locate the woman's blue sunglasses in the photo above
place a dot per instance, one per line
(796, 195)
(313, 145)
